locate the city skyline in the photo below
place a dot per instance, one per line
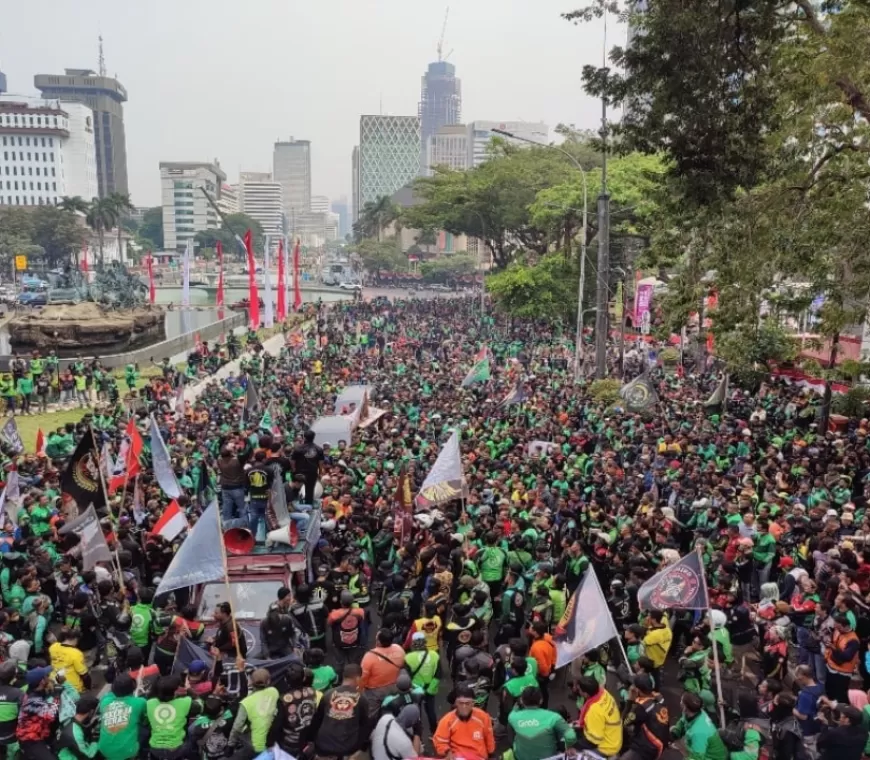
(193, 103)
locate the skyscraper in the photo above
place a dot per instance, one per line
(389, 155)
(480, 133)
(2, 83)
(440, 104)
(340, 207)
(448, 147)
(291, 167)
(262, 199)
(186, 210)
(105, 96)
(354, 185)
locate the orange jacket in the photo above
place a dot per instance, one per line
(472, 739)
(544, 652)
(842, 656)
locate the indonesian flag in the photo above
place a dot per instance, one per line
(40, 443)
(171, 522)
(85, 258)
(127, 462)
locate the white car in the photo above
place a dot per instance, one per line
(350, 286)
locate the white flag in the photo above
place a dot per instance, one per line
(269, 315)
(162, 463)
(586, 623)
(445, 480)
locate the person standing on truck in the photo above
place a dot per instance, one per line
(307, 458)
(258, 484)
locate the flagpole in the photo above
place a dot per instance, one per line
(238, 629)
(126, 476)
(111, 516)
(721, 700)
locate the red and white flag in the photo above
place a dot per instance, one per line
(127, 463)
(171, 522)
(40, 443)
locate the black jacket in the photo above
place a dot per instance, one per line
(842, 742)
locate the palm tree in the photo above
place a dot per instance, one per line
(75, 204)
(101, 216)
(123, 206)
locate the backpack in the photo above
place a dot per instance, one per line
(346, 631)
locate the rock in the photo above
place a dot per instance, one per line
(71, 328)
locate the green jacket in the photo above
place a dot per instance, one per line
(74, 745)
(140, 629)
(702, 738)
(260, 708)
(424, 667)
(539, 733)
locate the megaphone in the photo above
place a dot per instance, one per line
(239, 541)
(288, 535)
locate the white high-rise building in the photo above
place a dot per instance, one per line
(291, 167)
(319, 204)
(480, 133)
(448, 147)
(186, 210)
(228, 203)
(354, 184)
(389, 155)
(262, 199)
(46, 152)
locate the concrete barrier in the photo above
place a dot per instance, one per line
(156, 351)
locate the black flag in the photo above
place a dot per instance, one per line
(716, 403)
(81, 479)
(639, 394)
(252, 398)
(679, 587)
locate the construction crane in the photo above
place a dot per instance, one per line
(441, 41)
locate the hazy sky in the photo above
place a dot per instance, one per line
(219, 79)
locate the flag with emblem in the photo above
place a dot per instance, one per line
(479, 373)
(639, 394)
(681, 586)
(81, 478)
(445, 481)
(11, 437)
(586, 623)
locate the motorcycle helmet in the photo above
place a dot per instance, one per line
(123, 622)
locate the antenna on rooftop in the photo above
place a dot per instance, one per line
(102, 63)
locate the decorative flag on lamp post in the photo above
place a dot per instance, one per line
(282, 285)
(269, 317)
(220, 284)
(253, 293)
(297, 287)
(152, 291)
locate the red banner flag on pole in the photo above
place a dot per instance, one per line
(282, 288)
(297, 287)
(220, 286)
(85, 258)
(253, 293)
(152, 291)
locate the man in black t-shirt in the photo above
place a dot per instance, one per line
(306, 462)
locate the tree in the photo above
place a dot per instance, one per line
(58, 233)
(379, 256)
(546, 290)
(239, 224)
(375, 217)
(151, 229)
(123, 207)
(102, 215)
(74, 204)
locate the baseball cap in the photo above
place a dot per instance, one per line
(196, 667)
(36, 676)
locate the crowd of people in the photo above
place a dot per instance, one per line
(436, 633)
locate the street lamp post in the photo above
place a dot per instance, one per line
(578, 338)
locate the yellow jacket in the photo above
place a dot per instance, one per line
(657, 643)
(602, 724)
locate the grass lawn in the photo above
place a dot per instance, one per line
(28, 425)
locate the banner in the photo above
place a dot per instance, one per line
(586, 623)
(152, 290)
(200, 557)
(81, 478)
(11, 437)
(445, 480)
(680, 586)
(93, 543)
(642, 301)
(269, 320)
(297, 276)
(282, 281)
(220, 284)
(515, 395)
(253, 293)
(718, 398)
(162, 463)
